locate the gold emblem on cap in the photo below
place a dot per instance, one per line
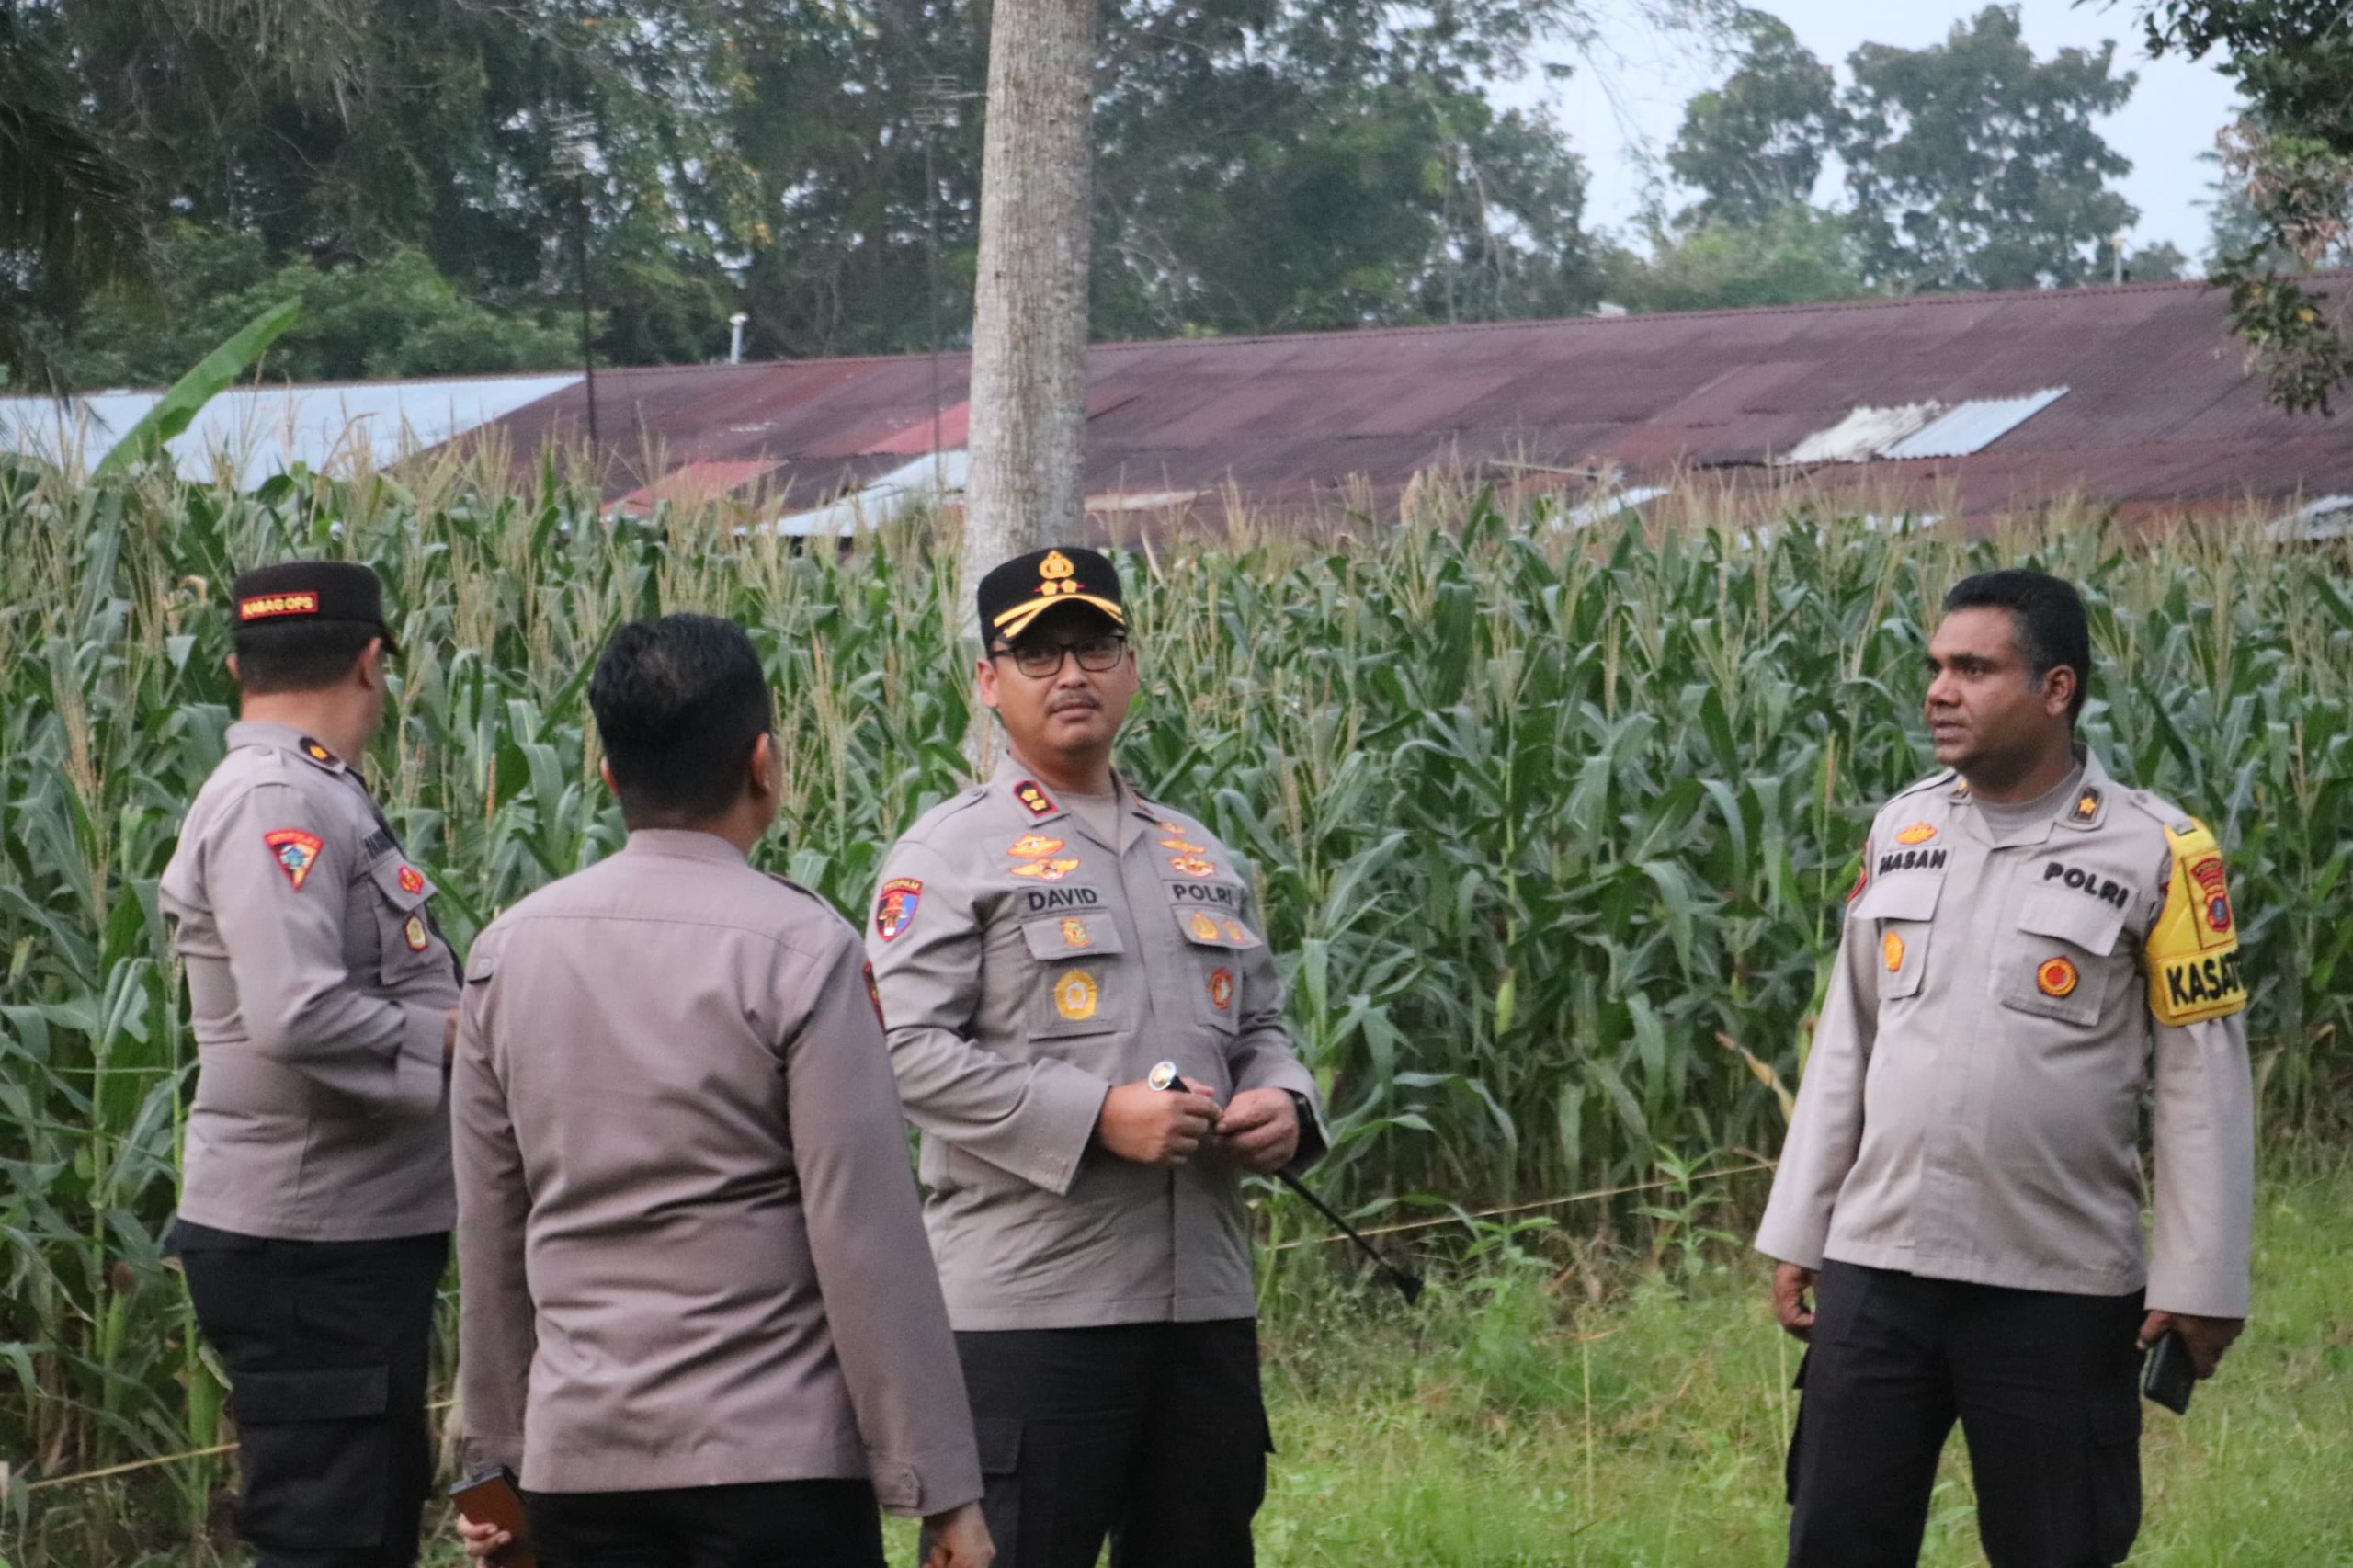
(1057, 571)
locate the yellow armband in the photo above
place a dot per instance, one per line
(2193, 947)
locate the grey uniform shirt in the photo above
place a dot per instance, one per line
(317, 989)
(1972, 1107)
(1027, 966)
(690, 1247)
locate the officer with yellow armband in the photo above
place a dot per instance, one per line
(2030, 950)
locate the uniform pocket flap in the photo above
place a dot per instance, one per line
(400, 883)
(339, 1394)
(1059, 936)
(1208, 928)
(999, 1438)
(1900, 897)
(2090, 922)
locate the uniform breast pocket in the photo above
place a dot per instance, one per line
(2060, 960)
(1215, 940)
(1083, 984)
(403, 931)
(1900, 910)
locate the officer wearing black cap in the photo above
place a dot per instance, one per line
(1041, 944)
(316, 1196)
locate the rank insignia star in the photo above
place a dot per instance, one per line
(295, 851)
(1193, 865)
(2086, 805)
(316, 752)
(1047, 870)
(1034, 799)
(1031, 846)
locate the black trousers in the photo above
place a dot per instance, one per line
(1152, 1433)
(770, 1524)
(326, 1346)
(2046, 1390)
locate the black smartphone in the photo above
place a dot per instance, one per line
(489, 1498)
(2168, 1377)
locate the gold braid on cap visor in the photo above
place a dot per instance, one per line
(1014, 621)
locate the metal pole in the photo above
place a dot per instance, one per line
(587, 355)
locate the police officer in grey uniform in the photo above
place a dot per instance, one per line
(315, 1202)
(2031, 949)
(1043, 943)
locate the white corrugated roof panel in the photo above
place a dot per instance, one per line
(1971, 426)
(1862, 436)
(255, 432)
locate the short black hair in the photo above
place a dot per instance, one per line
(2047, 621)
(679, 702)
(274, 658)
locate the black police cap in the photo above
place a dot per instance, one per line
(294, 591)
(1016, 594)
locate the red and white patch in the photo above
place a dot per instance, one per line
(1220, 989)
(894, 906)
(416, 934)
(295, 851)
(412, 879)
(2215, 884)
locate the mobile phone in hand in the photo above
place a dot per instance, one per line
(489, 1498)
(2168, 1377)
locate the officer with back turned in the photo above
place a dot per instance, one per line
(315, 1201)
(1043, 943)
(2030, 949)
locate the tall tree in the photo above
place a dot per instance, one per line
(1756, 144)
(1971, 165)
(1028, 388)
(2289, 180)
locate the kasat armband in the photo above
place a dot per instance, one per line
(2193, 948)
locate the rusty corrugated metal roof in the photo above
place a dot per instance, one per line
(2161, 408)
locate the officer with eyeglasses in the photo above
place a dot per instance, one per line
(1041, 944)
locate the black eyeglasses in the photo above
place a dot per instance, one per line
(1039, 660)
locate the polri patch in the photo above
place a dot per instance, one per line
(1075, 995)
(295, 851)
(1220, 989)
(1034, 799)
(894, 906)
(2192, 954)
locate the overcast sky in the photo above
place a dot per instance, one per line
(2175, 109)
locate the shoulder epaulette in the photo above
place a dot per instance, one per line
(318, 756)
(2164, 812)
(1934, 781)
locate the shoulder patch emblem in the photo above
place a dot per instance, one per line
(2056, 977)
(1220, 989)
(1031, 846)
(295, 851)
(317, 753)
(1918, 832)
(411, 880)
(894, 906)
(1048, 870)
(2087, 808)
(2195, 971)
(1193, 865)
(1075, 995)
(1034, 799)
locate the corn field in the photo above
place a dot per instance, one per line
(1552, 826)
